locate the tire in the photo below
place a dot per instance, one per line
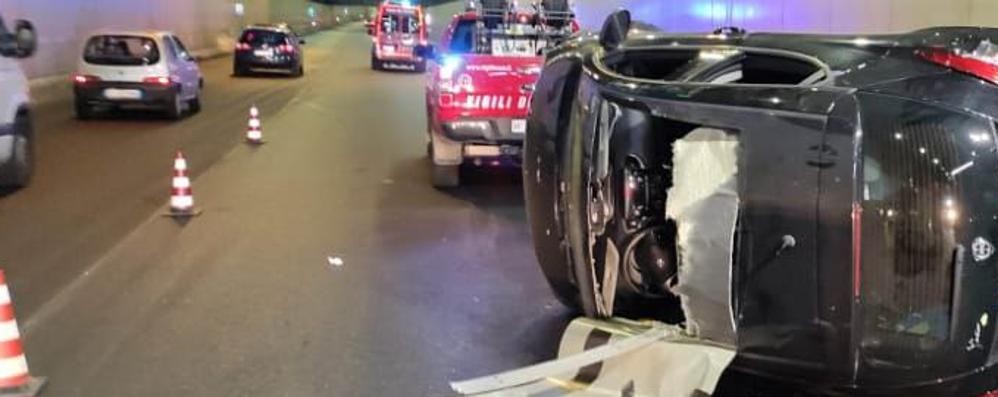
(299, 72)
(375, 63)
(446, 176)
(20, 168)
(194, 105)
(420, 67)
(175, 108)
(83, 110)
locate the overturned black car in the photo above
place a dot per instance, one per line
(828, 205)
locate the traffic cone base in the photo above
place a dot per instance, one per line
(31, 389)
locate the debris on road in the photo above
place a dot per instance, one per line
(601, 358)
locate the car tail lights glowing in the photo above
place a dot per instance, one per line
(993, 393)
(158, 80)
(286, 49)
(243, 47)
(82, 79)
(981, 63)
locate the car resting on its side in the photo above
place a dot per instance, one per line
(823, 204)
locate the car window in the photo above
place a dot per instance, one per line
(463, 39)
(399, 23)
(260, 37)
(121, 50)
(171, 47)
(754, 68)
(181, 49)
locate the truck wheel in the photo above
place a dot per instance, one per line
(83, 110)
(446, 176)
(175, 107)
(375, 63)
(20, 167)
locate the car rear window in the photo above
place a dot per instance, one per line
(121, 50)
(259, 37)
(517, 41)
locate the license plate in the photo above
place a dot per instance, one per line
(113, 93)
(263, 53)
(388, 49)
(519, 126)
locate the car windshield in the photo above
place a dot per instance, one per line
(121, 50)
(403, 22)
(261, 37)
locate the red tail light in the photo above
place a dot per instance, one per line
(981, 63)
(243, 47)
(158, 80)
(82, 79)
(993, 393)
(286, 49)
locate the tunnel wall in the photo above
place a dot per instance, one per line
(819, 16)
(206, 26)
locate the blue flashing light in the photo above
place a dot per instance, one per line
(449, 65)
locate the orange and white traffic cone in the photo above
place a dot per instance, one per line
(254, 135)
(15, 380)
(182, 196)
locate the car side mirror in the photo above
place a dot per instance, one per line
(21, 43)
(301, 41)
(427, 51)
(615, 29)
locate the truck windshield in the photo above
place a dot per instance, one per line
(121, 50)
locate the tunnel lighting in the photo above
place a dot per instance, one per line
(240, 9)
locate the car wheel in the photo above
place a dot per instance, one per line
(175, 107)
(420, 66)
(83, 110)
(20, 167)
(195, 104)
(300, 71)
(446, 176)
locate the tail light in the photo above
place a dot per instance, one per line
(83, 79)
(982, 62)
(993, 393)
(243, 47)
(158, 80)
(286, 49)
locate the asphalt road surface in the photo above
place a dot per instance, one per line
(323, 263)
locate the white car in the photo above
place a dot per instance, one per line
(137, 69)
(16, 133)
